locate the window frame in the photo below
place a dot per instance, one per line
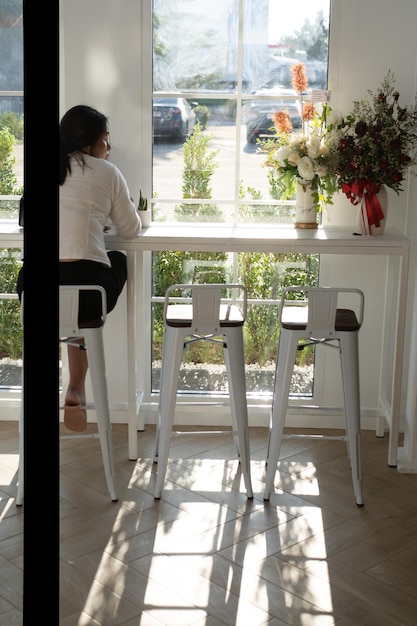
(147, 95)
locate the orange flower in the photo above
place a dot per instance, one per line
(282, 122)
(308, 111)
(299, 77)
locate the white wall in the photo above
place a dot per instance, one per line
(368, 37)
(101, 66)
(371, 37)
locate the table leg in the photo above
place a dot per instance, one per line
(398, 358)
(131, 356)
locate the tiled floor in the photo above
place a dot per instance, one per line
(205, 555)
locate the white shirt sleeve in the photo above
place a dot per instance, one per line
(90, 197)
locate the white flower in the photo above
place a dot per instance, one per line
(293, 158)
(306, 168)
(313, 147)
(281, 155)
(333, 138)
(321, 171)
(297, 140)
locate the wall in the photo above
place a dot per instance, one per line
(372, 37)
(101, 65)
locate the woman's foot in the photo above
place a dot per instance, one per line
(75, 417)
(75, 412)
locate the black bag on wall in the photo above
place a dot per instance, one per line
(21, 211)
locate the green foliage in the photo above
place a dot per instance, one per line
(8, 180)
(9, 208)
(377, 142)
(143, 202)
(11, 335)
(183, 267)
(281, 187)
(264, 213)
(170, 268)
(13, 122)
(199, 165)
(265, 275)
(187, 267)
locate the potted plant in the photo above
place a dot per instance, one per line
(303, 163)
(144, 212)
(376, 147)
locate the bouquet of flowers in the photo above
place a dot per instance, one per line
(307, 157)
(377, 143)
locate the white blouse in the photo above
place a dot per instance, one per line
(88, 200)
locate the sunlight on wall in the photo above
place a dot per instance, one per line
(101, 71)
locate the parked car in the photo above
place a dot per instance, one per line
(173, 117)
(258, 114)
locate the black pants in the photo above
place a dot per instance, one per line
(112, 279)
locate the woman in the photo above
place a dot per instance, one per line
(92, 192)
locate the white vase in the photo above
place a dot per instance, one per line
(369, 212)
(146, 218)
(305, 207)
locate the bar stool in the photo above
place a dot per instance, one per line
(200, 313)
(69, 331)
(318, 320)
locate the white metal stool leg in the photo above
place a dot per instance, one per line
(171, 362)
(70, 330)
(316, 315)
(235, 366)
(288, 342)
(95, 351)
(195, 312)
(20, 474)
(349, 359)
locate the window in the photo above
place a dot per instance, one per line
(220, 70)
(11, 184)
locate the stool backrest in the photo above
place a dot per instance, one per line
(206, 307)
(69, 296)
(319, 306)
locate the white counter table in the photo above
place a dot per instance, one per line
(330, 240)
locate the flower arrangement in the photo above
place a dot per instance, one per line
(305, 157)
(377, 143)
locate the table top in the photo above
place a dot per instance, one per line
(260, 238)
(274, 238)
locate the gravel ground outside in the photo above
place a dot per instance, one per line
(210, 377)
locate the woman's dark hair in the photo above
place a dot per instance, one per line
(80, 127)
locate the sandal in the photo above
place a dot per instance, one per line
(75, 417)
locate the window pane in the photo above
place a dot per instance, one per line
(264, 275)
(11, 71)
(217, 82)
(11, 181)
(218, 77)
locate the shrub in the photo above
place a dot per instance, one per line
(11, 334)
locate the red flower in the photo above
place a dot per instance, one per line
(378, 139)
(361, 128)
(397, 177)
